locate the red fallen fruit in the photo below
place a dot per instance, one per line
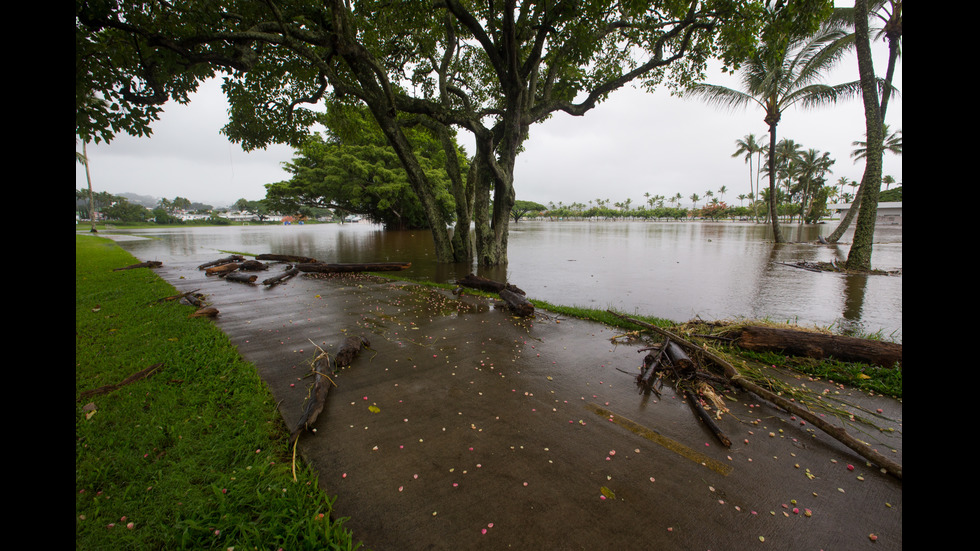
(850, 467)
(872, 537)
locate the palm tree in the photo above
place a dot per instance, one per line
(83, 158)
(892, 144)
(812, 167)
(889, 12)
(694, 197)
(749, 147)
(779, 76)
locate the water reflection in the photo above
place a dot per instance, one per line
(675, 270)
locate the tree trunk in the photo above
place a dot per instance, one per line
(846, 221)
(777, 235)
(91, 196)
(819, 345)
(859, 257)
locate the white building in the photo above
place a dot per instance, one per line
(888, 213)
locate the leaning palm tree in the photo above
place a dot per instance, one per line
(83, 158)
(779, 76)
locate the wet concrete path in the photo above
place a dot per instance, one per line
(464, 427)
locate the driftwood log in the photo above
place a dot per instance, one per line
(678, 357)
(285, 258)
(206, 312)
(321, 382)
(520, 305)
(253, 266)
(276, 280)
(349, 349)
(695, 403)
(323, 267)
(148, 264)
(222, 268)
(317, 398)
(837, 432)
(241, 277)
(226, 260)
(818, 345)
(477, 282)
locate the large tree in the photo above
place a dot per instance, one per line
(492, 68)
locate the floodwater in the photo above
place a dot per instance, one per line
(673, 270)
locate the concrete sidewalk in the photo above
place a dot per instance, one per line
(464, 427)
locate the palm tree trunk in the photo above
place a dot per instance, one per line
(776, 233)
(859, 257)
(91, 196)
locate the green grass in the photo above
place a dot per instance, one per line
(194, 456)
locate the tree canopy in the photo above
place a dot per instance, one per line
(491, 68)
(354, 170)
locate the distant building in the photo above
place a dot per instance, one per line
(888, 213)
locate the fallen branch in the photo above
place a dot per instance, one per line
(253, 266)
(276, 280)
(285, 258)
(695, 403)
(178, 297)
(520, 305)
(222, 269)
(226, 260)
(148, 264)
(321, 384)
(241, 277)
(476, 282)
(140, 375)
(862, 448)
(207, 312)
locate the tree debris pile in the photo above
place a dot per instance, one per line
(702, 390)
(764, 390)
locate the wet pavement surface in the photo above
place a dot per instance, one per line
(465, 427)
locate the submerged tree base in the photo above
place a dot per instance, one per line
(836, 268)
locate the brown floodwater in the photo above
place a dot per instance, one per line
(673, 270)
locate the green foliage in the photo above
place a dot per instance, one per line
(354, 170)
(162, 216)
(124, 211)
(522, 208)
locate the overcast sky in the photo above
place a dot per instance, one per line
(635, 143)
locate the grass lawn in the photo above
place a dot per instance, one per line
(195, 455)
